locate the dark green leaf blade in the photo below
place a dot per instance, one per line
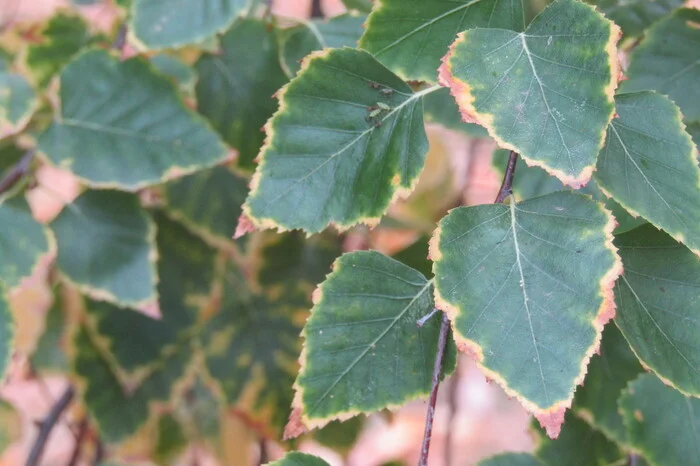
(657, 305)
(333, 155)
(122, 125)
(364, 6)
(667, 61)
(528, 288)
(7, 333)
(17, 103)
(106, 246)
(440, 107)
(649, 165)
(546, 93)
(637, 15)
(511, 459)
(296, 458)
(662, 424)
(23, 242)
(363, 350)
(160, 25)
(410, 36)
(236, 86)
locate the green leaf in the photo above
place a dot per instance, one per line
(17, 103)
(10, 425)
(295, 458)
(23, 242)
(160, 25)
(410, 36)
(528, 288)
(340, 436)
(119, 413)
(363, 349)
(299, 41)
(236, 86)
(252, 344)
(171, 439)
(363, 6)
(636, 15)
(439, 107)
(50, 354)
(656, 309)
(662, 424)
(62, 38)
(693, 129)
(106, 247)
(208, 203)
(531, 182)
(177, 70)
(578, 444)
(546, 93)
(416, 256)
(326, 160)
(608, 374)
(649, 165)
(512, 459)
(666, 61)
(7, 333)
(122, 125)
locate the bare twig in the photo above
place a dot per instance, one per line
(507, 185)
(17, 172)
(99, 452)
(316, 11)
(437, 370)
(120, 39)
(79, 441)
(453, 388)
(263, 452)
(633, 460)
(47, 426)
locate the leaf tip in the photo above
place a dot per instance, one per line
(245, 226)
(460, 90)
(552, 420)
(295, 426)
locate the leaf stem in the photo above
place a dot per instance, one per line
(19, 170)
(47, 426)
(507, 185)
(437, 370)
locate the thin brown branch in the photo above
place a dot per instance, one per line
(79, 441)
(507, 185)
(120, 39)
(17, 172)
(437, 370)
(316, 11)
(46, 426)
(99, 452)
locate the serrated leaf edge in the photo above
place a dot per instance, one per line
(551, 418)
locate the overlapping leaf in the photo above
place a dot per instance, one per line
(23, 241)
(364, 6)
(546, 93)
(363, 350)
(528, 288)
(106, 247)
(410, 36)
(608, 374)
(661, 423)
(348, 138)
(657, 305)
(236, 86)
(440, 107)
(208, 202)
(512, 459)
(667, 61)
(50, 354)
(177, 70)
(7, 332)
(17, 101)
(121, 124)
(296, 458)
(337, 32)
(636, 15)
(252, 344)
(161, 24)
(649, 165)
(533, 181)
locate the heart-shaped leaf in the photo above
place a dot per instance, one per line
(546, 93)
(528, 288)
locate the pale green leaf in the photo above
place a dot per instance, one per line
(511, 459)
(7, 333)
(533, 181)
(578, 444)
(23, 242)
(649, 165)
(410, 36)
(106, 246)
(363, 349)
(608, 374)
(296, 458)
(122, 125)
(528, 288)
(657, 301)
(546, 93)
(17, 103)
(634, 16)
(667, 61)
(160, 24)
(299, 41)
(236, 86)
(208, 203)
(333, 154)
(662, 424)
